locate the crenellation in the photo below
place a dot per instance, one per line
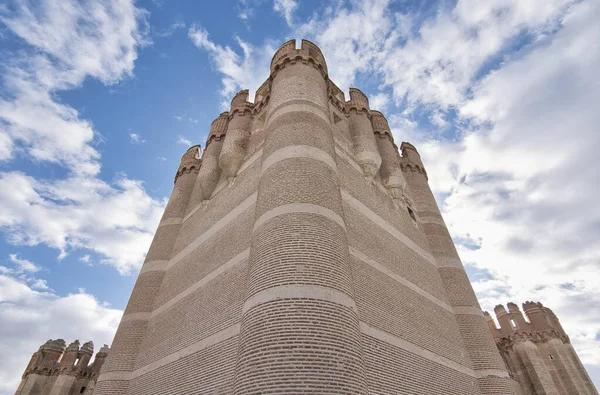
(57, 369)
(538, 353)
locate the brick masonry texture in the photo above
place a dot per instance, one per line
(303, 253)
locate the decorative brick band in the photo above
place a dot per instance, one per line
(240, 258)
(299, 292)
(140, 316)
(218, 337)
(220, 224)
(491, 372)
(368, 213)
(298, 106)
(299, 208)
(298, 151)
(154, 266)
(446, 261)
(379, 267)
(114, 376)
(414, 349)
(432, 220)
(170, 221)
(467, 310)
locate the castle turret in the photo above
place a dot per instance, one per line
(365, 146)
(238, 131)
(130, 334)
(390, 171)
(210, 172)
(37, 377)
(538, 353)
(299, 263)
(480, 345)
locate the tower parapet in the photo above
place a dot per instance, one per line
(56, 369)
(537, 352)
(308, 53)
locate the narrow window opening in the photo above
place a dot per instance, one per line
(551, 357)
(513, 323)
(82, 390)
(76, 360)
(412, 214)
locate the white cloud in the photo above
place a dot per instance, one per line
(184, 141)
(63, 214)
(30, 317)
(86, 259)
(69, 41)
(66, 42)
(136, 138)
(379, 101)
(23, 265)
(286, 8)
(171, 29)
(161, 159)
(247, 71)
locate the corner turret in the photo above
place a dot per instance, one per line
(190, 161)
(308, 53)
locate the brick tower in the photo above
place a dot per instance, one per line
(302, 254)
(537, 353)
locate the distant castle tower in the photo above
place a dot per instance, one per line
(59, 370)
(302, 254)
(538, 354)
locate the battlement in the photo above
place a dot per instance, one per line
(218, 127)
(541, 323)
(190, 161)
(54, 358)
(308, 52)
(358, 101)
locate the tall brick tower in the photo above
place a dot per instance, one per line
(302, 254)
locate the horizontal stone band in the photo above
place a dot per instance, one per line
(414, 349)
(141, 316)
(389, 228)
(298, 291)
(154, 266)
(298, 151)
(240, 258)
(218, 337)
(299, 208)
(467, 310)
(379, 267)
(170, 221)
(114, 376)
(220, 224)
(298, 105)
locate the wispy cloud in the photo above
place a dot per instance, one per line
(171, 29)
(136, 138)
(178, 117)
(248, 70)
(23, 265)
(286, 8)
(184, 141)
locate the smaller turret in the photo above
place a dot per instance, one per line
(69, 357)
(391, 173)
(233, 151)
(190, 161)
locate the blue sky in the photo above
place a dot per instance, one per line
(98, 100)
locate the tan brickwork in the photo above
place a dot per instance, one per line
(303, 254)
(537, 352)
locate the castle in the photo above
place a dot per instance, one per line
(301, 253)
